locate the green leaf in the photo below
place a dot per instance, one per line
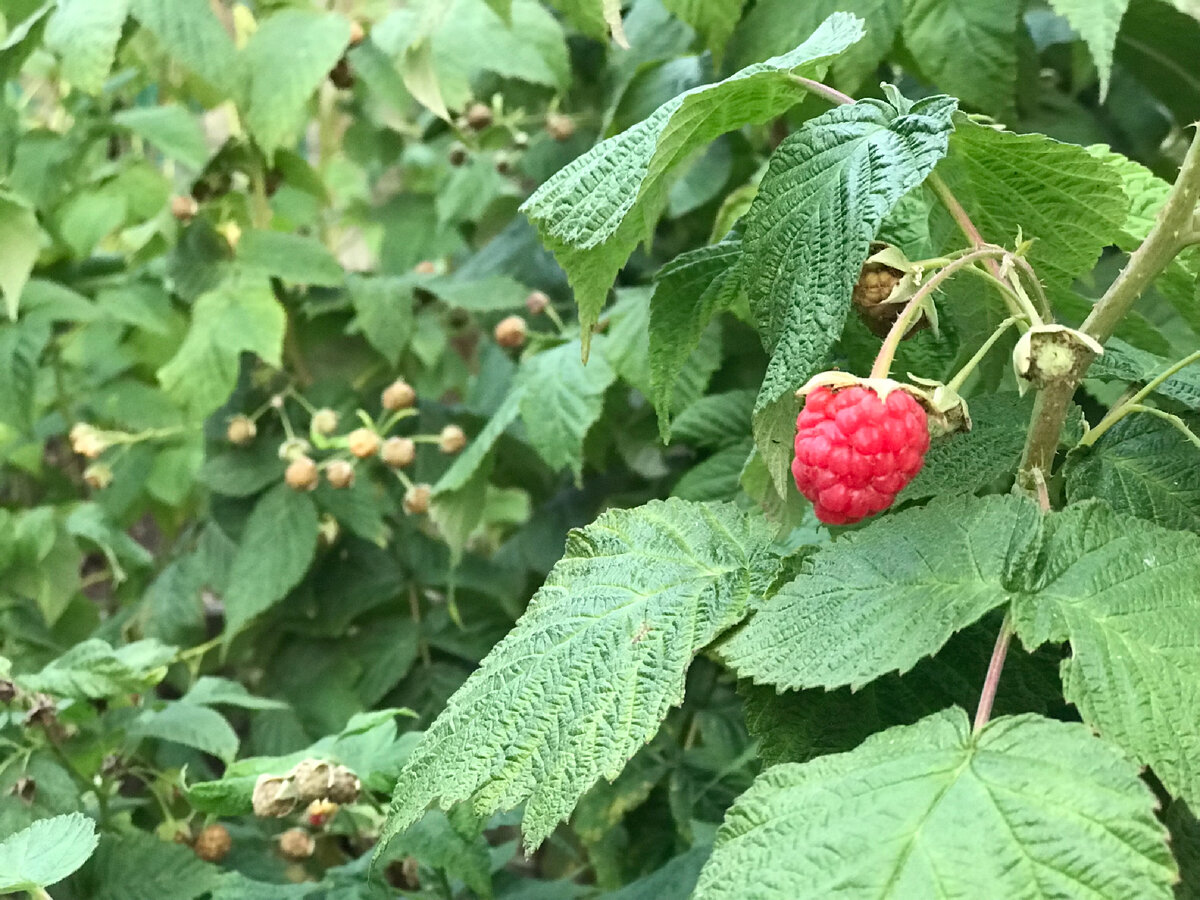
(1122, 592)
(592, 667)
(826, 191)
(560, 400)
(983, 73)
(189, 31)
(188, 724)
(210, 690)
(94, 670)
(139, 866)
(1143, 466)
(84, 34)
(46, 852)
(22, 39)
(21, 239)
(435, 841)
(880, 599)
(688, 292)
(1028, 807)
(284, 63)
(1068, 202)
(471, 458)
(713, 19)
(718, 477)
(171, 128)
(291, 257)
(1157, 44)
(239, 315)
(715, 420)
(1097, 24)
(277, 546)
(1124, 362)
(595, 211)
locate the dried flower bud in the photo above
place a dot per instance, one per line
(479, 116)
(87, 441)
(325, 422)
(8, 691)
(510, 332)
(301, 474)
(98, 476)
(560, 127)
(316, 779)
(241, 430)
(416, 499)
(452, 439)
(213, 843)
(340, 474)
(363, 442)
(293, 448)
(184, 207)
(274, 796)
(296, 844)
(357, 33)
(536, 303)
(398, 452)
(398, 395)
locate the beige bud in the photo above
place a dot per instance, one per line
(452, 439)
(98, 476)
(340, 474)
(213, 843)
(398, 395)
(363, 442)
(241, 430)
(357, 33)
(184, 207)
(479, 116)
(296, 844)
(536, 303)
(560, 127)
(425, 267)
(294, 448)
(398, 452)
(325, 422)
(301, 474)
(416, 499)
(510, 332)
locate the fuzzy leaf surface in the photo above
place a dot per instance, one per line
(595, 210)
(46, 852)
(1029, 807)
(881, 599)
(591, 668)
(1122, 592)
(1098, 24)
(84, 33)
(189, 31)
(1125, 362)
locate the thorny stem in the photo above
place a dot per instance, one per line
(1133, 403)
(1169, 235)
(987, 696)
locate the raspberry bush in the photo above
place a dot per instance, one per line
(732, 450)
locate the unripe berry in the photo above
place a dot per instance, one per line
(325, 422)
(296, 844)
(363, 442)
(340, 474)
(452, 439)
(398, 395)
(398, 452)
(98, 476)
(510, 332)
(536, 303)
(416, 499)
(213, 843)
(184, 207)
(241, 430)
(301, 474)
(319, 812)
(560, 127)
(479, 116)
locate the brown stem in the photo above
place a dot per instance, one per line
(987, 696)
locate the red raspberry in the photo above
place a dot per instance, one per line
(855, 451)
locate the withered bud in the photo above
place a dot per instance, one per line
(301, 474)
(416, 499)
(452, 439)
(363, 442)
(340, 474)
(296, 844)
(510, 332)
(398, 452)
(398, 395)
(241, 430)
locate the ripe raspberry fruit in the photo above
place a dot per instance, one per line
(855, 450)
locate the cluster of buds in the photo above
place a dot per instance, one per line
(308, 781)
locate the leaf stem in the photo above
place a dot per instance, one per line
(991, 682)
(833, 95)
(1134, 403)
(964, 373)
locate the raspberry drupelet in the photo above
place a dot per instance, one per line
(855, 451)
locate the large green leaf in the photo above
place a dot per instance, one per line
(983, 70)
(240, 315)
(291, 257)
(592, 667)
(84, 34)
(713, 19)
(383, 313)
(1144, 466)
(277, 546)
(139, 866)
(171, 128)
(21, 239)
(1123, 593)
(285, 61)
(1157, 44)
(93, 669)
(1028, 807)
(1127, 363)
(828, 188)
(46, 852)
(189, 31)
(560, 400)
(880, 599)
(594, 211)
(1098, 24)
(191, 725)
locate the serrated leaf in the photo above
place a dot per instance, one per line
(190, 32)
(471, 458)
(94, 670)
(881, 599)
(715, 478)
(284, 63)
(383, 313)
(210, 690)
(171, 128)
(139, 866)
(713, 19)
(826, 191)
(1125, 362)
(688, 292)
(1029, 807)
(1142, 466)
(1157, 44)
(277, 546)
(984, 75)
(291, 257)
(21, 239)
(592, 667)
(435, 841)
(560, 400)
(240, 315)
(46, 852)
(715, 420)
(1122, 592)
(84, 34)
(1097, 24)
(595, 211)
(189, 724)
